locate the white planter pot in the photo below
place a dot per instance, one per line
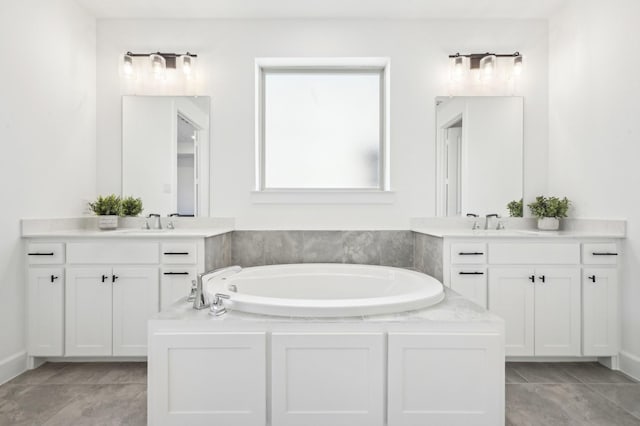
(107, 222)
(548, 224)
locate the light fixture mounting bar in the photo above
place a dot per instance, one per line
(474, 58)
(170, 58)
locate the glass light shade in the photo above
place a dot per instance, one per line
(458, 68)
(158, 66)
(517, 65)
(127, 66)
(488, 66)
(188, 64)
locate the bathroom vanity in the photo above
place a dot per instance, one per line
(91, 293)
(556, 291)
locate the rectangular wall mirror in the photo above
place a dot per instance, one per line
(479, 144)
(165, 153)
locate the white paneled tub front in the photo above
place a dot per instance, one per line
(397, 358)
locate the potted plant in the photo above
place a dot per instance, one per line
(107, 209)
(131, 206)
(549, 211)
(515, 208)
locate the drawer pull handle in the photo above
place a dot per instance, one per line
(542, 278)
(114, 278)
(41, 254)
(532, 278)
(104, 278)
(592, 278)
(595, 253)
(474, 253)
(176, 253)
(53, 278)
(176, 273)
(471, 273)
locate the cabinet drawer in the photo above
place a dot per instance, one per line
(468, 253)
(600, 254)
(45, 253)
(534, 253)
(179, 253)
(471, 283)
(118, 252)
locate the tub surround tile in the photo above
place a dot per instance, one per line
(361, 247)
(428, 255)
(322, 247)
(283, 247)
(217, 251)
(396, 248)
(247, 248)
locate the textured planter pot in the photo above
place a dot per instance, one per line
(548, 224)
(107, 222)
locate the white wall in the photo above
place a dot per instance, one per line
(594, 131)
(419, 72)
(47, 119)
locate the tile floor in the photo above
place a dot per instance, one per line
(538, 394)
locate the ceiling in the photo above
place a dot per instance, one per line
(321, 9)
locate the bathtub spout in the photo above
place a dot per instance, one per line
(201, 300)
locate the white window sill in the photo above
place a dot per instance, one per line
(290, 196)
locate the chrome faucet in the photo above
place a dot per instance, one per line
(200, 298)
(217, 306)
(170, 224)
(488, 218)
(158, 222)
(475, 222)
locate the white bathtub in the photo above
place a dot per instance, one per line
(324, 290)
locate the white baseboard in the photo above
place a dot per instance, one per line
(630, 365)
(12, 366)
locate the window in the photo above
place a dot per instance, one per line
(322, 126)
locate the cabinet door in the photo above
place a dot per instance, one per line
(511, 296)
(46, 311)
(426, 370)
(557, 312)
(175, 284)
(135, 300)
(88, 312)
(600, 312)
(471, 282)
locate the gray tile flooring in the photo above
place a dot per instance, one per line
(538, 394)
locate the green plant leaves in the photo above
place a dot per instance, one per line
(131, 206)
(111, 205)
(550, 207)
(515, 208)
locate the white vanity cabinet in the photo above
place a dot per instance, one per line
(558, 296)
(92, 297)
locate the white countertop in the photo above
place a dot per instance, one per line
(515, 233)
(130, 233)
(453, 309)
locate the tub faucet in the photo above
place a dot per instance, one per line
(217, 306)
(488, 218)
(200, 298)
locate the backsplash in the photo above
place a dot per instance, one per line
(256, 248)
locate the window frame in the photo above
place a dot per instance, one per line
(264, 66)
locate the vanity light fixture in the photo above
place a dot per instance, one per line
(127, 66)
(486, 63)
(160, 62)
